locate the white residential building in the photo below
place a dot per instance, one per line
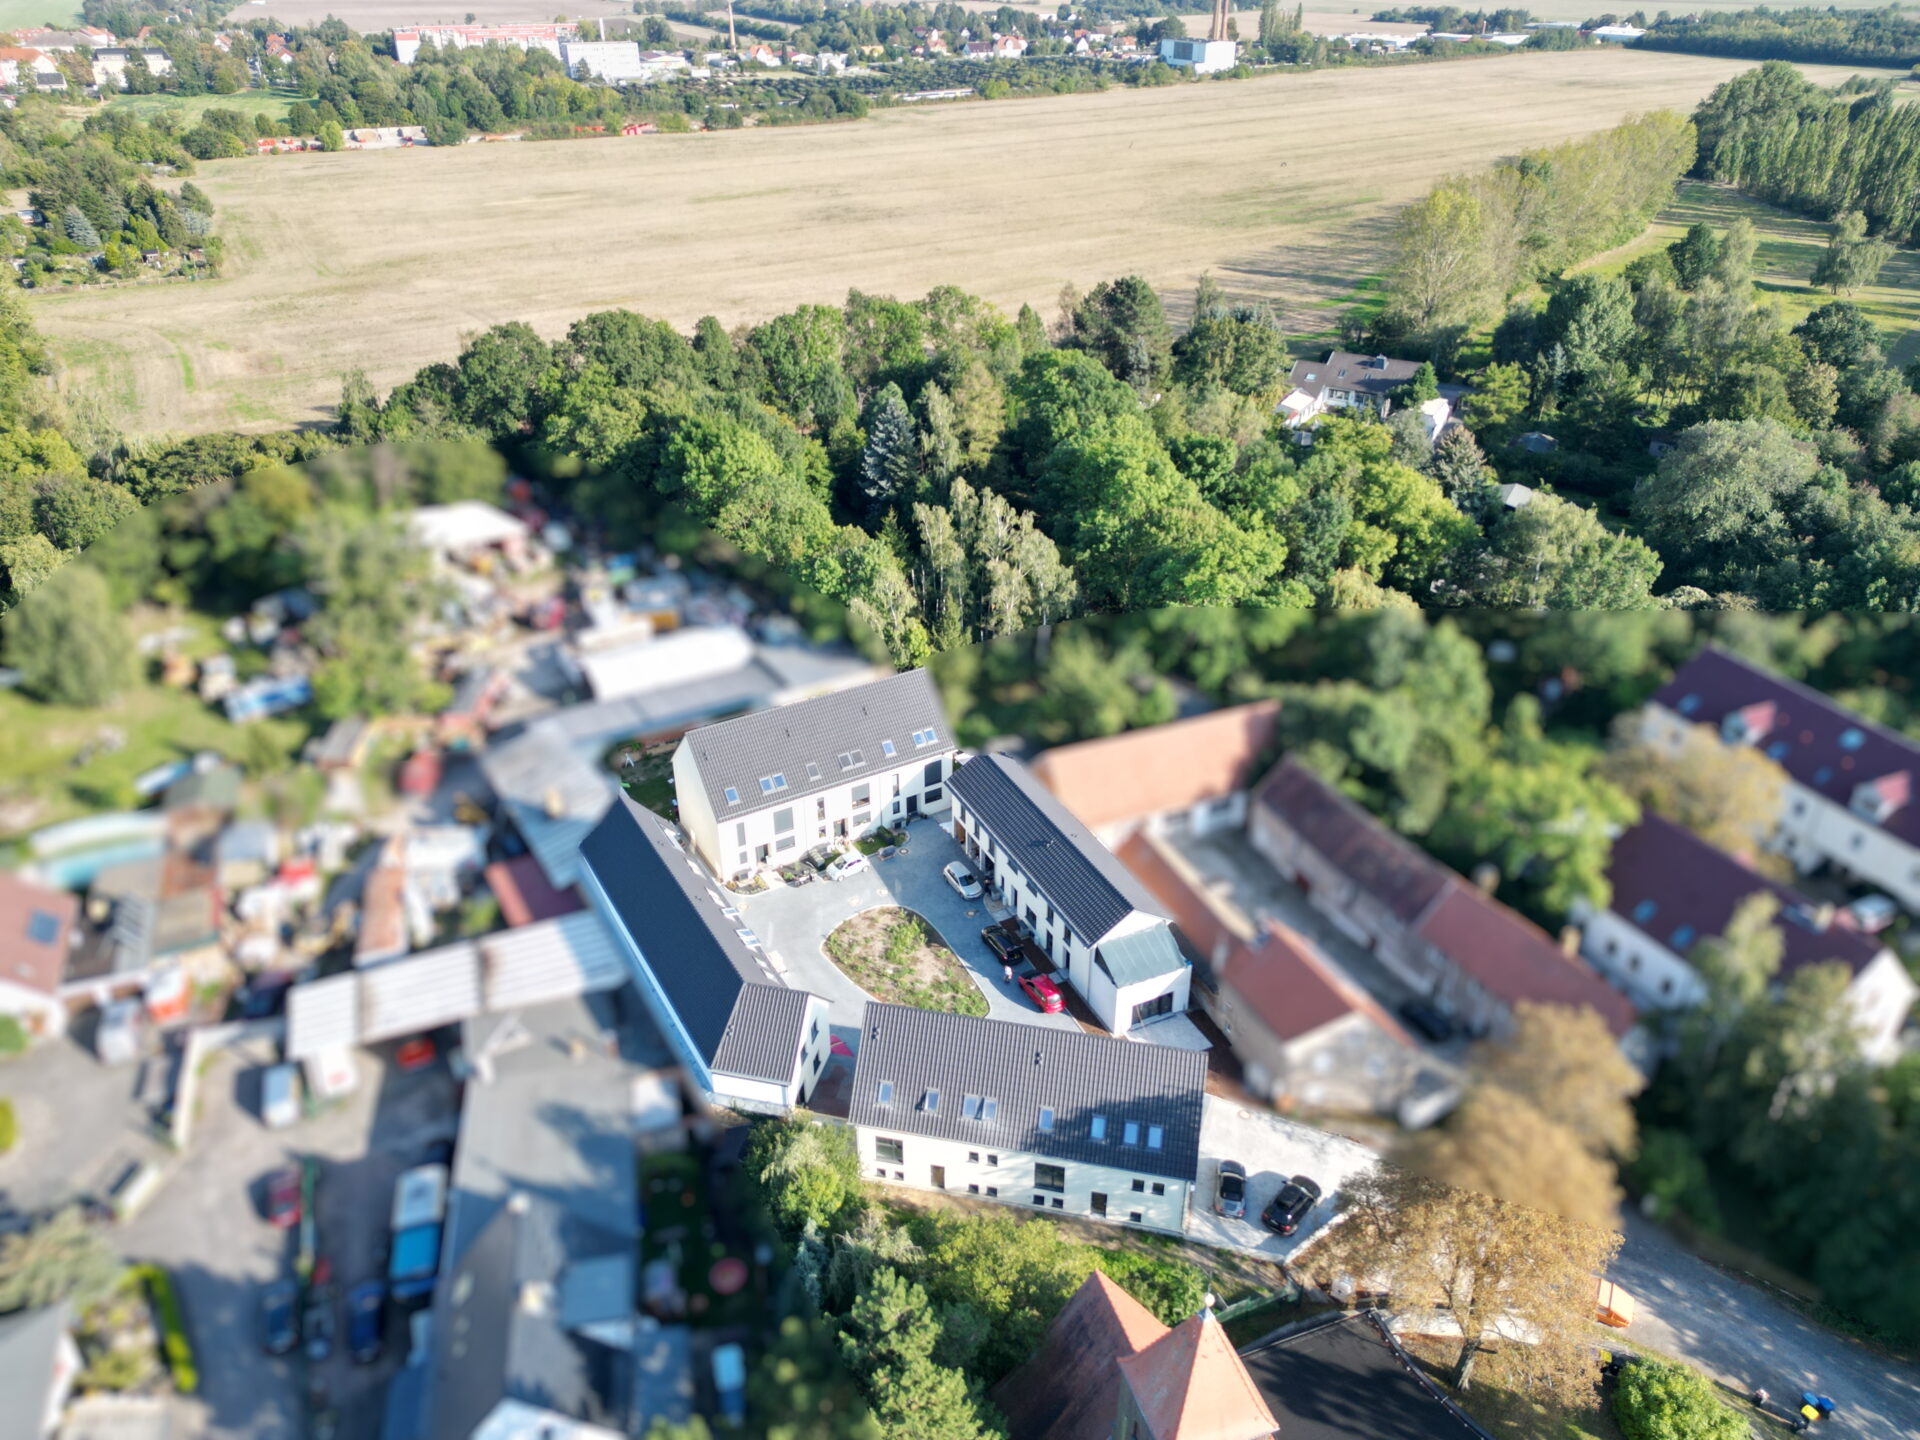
(1203, 57)
(110, 65)
(1344, 381)
(610, 60)
(407, 42)
(1671, 889)
(1853, 795)
(1094, 919)
(762, 789)
(1047, 1119)
(745, 1037)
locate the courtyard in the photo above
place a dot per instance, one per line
(1273, 1150)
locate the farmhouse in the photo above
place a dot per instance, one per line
(1344, 381)
(760, 789)
(1109, 1368)
(1191, 774)
(1851, 800)
(1475, 958)
(1672, 889)
(1052, 1119)
(745, 1036)
(1092, 918)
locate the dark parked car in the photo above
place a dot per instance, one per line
(279, 1322)
(319, 1322)
(1230, 1199)
(366, 1315)
(1005, 949)
(440, 1152)
(1288, 1208)
(1430, 1020)
(283, 1198)
(265, 996)
(820, 856)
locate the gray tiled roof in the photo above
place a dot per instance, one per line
(742, 1017)
(1025, 1068)
(786, 739)
(1142, 955)
(553, 793)
(1343, 370)
(29, 1343)
(1037, 834)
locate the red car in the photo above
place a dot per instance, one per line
(283, 1198)
(1043, 992)
(416, 1054)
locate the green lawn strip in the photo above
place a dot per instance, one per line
(889, 969)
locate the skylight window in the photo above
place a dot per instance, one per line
(772, 784)
(1046, 1118)
(989, 1108)
(970, 1107)
(884, 1095)
(1643, 912)
(1778, 750)
(925, 737)
(813, 771)
(1851, 739)
(1688, 704)
(886, 748)
(1156, 1137)
(930, 1102)
(1683, 937)
(851, 758)
(1099, 1127)
(733, 796)
(1131, 1134)
(43, 928)
(1823, 775)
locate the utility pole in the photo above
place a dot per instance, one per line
(733, 40)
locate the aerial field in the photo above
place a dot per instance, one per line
(1283, 187)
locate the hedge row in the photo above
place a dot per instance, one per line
(173, 1329)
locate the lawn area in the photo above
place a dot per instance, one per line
(25, 14)
(649, 780)
(1790, 246)
(43, 778)
(190, 107)
(892, 955)
(1496, 1402)
(680, 1228)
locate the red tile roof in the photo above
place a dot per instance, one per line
(1070, 1388)
(1190, 1385)
(35, 924)
(521, 887)
(1821, 745)
(1162, 768)
(1394, 871)
(1515, 959)
(1677, 889)
(1289, 984)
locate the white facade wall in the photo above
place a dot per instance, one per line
(39, 1012)
(1009, 1177)
(1813, 830)
(610, 60)
(1203, 57)
(779, 831)
(1656, 977)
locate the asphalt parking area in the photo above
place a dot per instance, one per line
(205, 1226)
(1273, 1150)
(794, 922)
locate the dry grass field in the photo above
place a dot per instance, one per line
(1283, 187)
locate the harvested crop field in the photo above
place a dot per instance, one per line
(1283, 186)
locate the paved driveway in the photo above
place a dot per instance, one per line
(794, 923)
(1274, 1151)
(1740, 1333)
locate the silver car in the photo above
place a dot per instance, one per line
(963, 880)
(1230, 1197)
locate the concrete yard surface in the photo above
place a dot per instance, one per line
(1273, 1150)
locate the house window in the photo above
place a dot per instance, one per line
(1046, 1117)
(993, 1189)
(886, 749)
(1059, 1204)
(787, 843)
(1858, 841)
(1131, 1134)
(733, 796)
(1049, 913)
(740, 833)
(1139, 1187)
(891, 1151)
(973, 1189)
(863, 794)
(884, 1095)
(932, 795)
(783, 820)
(1133, 1216)
(772, 784)
(931, 775)
(993, 1159)
(1049, 1177)
(862, 819)
(1158, 1188)
(1040, 1200)
(1099, 1127)
(973, 1157)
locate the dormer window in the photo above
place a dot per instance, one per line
(1876, 800)
(1749, 724)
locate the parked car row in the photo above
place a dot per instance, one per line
(1284, 1214)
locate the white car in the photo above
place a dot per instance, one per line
(963, 880)
(851, 863)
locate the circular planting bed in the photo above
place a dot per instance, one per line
(894, 956)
